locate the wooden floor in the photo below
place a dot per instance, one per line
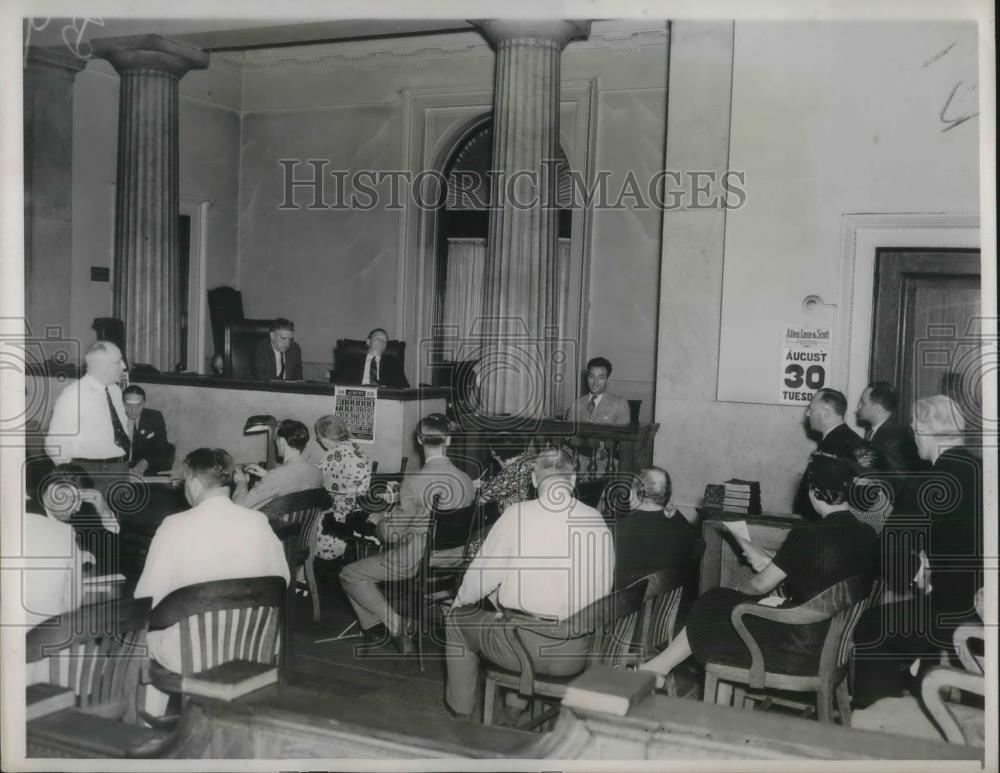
(383, 677)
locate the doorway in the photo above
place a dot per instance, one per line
(927, 334)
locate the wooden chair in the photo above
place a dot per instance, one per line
(421, 599)
(228, 619)
(664, 591)
(240, 338)
(842, 605)
(294, 518)
(96, 651)
(613, 625)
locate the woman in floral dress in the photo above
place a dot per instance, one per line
(347, 473)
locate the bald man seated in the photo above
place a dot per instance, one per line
(652, 535)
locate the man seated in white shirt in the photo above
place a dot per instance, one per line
(292, 475)
(214, 540)
(549, 557)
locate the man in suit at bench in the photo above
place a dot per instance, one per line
(278, 358)
(150, 451)
(374, 369)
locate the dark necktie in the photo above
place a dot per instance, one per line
(868, 434)
(373, 372)
(282, 374)
(592, 405)
(121, 436)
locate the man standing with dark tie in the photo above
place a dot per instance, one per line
(88, 421)
(279, 357)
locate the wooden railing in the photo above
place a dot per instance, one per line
(596, 447)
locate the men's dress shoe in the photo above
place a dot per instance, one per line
(405, 639)
(404, 643)
(375, 636)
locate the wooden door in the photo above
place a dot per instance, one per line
(927, 328)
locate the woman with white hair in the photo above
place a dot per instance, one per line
(943, 578)
(347, 474)
(951, 495)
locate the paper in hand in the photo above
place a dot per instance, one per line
(739, 529)
(757, 556)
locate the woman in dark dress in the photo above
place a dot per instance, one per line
(815, 556)
(936, 562)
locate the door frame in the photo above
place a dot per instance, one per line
(196, 208)
(861, 236)
(894, 306)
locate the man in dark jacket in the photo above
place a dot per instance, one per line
(825, 416)
(278, 357)
(150, 451)
(893, 440)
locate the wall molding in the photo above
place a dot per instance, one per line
(419, 51)
(861, 235)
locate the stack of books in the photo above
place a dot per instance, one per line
(715, 495)
(742, 496)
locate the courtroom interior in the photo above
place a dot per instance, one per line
(504, 389)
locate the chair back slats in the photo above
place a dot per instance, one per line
(847, 601)
(662, 619)
(224, 620)
(301, 508)
(845, 644)
(96, 651)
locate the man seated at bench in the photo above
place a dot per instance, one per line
(214, 540)
(292, 475)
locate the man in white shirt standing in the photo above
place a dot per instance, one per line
(549, 557)
(88, 422)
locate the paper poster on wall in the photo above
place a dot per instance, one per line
(805, 363)
(357, 407)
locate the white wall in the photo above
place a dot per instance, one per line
(827, 119)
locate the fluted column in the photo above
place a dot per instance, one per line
(519, 301)
(48, 186)
(146, 291)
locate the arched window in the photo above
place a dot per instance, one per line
(462, 230)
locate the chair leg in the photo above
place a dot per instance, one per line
(824, 702)
(724, 694)
(740, 697)
(313, 587)
(711, 687)
(489, 701)
(844, 703)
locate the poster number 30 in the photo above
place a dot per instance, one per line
(814, 377)
(805, 358)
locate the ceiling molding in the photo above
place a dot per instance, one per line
(418, 51)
